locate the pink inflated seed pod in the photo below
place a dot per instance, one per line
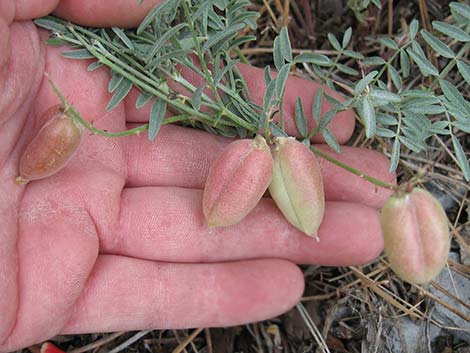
(416, 235)
(237, 181)
(297, 185)
(51, 148)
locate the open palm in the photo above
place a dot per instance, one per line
(117, 240)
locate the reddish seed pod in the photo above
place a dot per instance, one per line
(51, 149)
(297, 185)
(237, 181)
(416, 235)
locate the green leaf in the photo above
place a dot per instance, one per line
(417, 48)
(419, 93)
(456, 111)
(453, 95)
(227, 68)
(331, 140)
(326, 120)
(222, 36)
(158, 10)
(114, 81)
(387, 133)
(439, 127)
(462, 125)
(300, 120)
(281, 80)
(78, 54)
(373, 61)
(241, 40)
(418, 123)
(313, 58)
(439, 47)
(94, 66)
(159, 43)
(121, 91)
(143, 99)
(385, 97)
(452, 31)
(386, 119)
(55, 41)
(123, 37)
(157, 114)
(464, 70)
(285, 45)
(168, 56)
(268, 94)
(51, 24)
(317, 105)
(404, 63)
(267, 75)
(426, 109)
(277, 131)
(389, 43)
(353, 54)
(414, 27)
(364, 82)
(334, 102)
(277, 54)
(196, 98)
(461, 158)
(396, 79)
(395, 156)
(461, 8)
(334, 42)
(346, 38)
(424, 65)
(410, 143)
(366, 111)
(347, 70)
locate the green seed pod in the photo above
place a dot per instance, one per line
(237, 181)
(416, 235)
(297, 186)
(51, 149)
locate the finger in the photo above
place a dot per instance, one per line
(182, 157)
(29, 9)
(342, 125)
(105, 13)
(167, 224)
(57, 247)
(22, 57)
(131, 294)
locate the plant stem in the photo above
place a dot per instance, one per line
(69, 109)
(355, 171)
(148, 84)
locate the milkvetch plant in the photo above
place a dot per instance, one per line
(150, 56)
(402, 96)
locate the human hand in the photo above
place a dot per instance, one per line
(117, 240)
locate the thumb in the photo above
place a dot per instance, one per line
(21, 67)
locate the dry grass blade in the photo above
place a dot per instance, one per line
(128, 342)
(316, 334)
(399, 303)
(187, 340)
(98, 343)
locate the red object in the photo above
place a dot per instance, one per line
(48, 347)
